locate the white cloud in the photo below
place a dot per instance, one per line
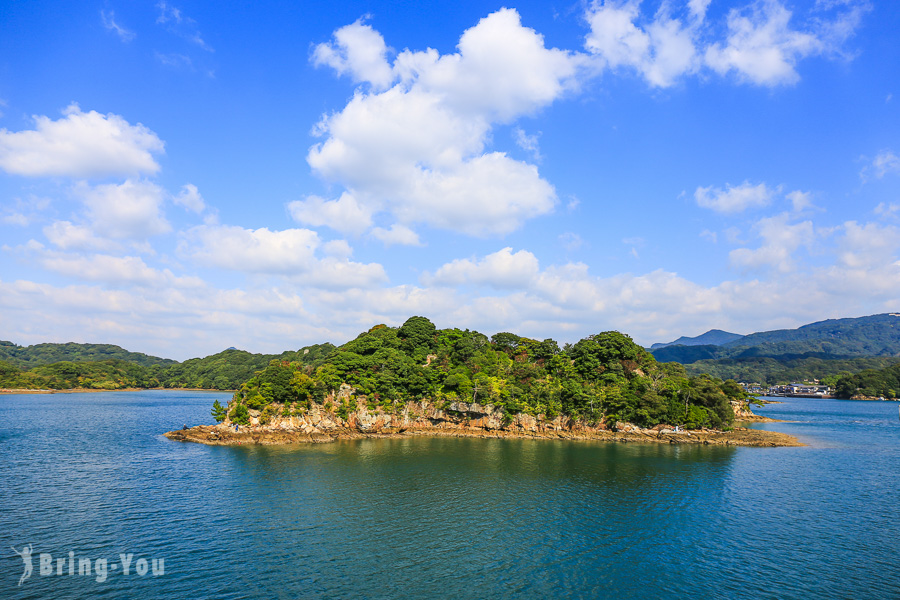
(168, 13)
(571, 241)
(662, 52)
(761, 46)
(712, 236)
(252, 250)
(733, 199)
(337, 249)
(24, 211)
(176, 22)
(333, 273)
(800, 201)
(887, 209)
(397, 235)
(169, 322)
(502, 70)
(867, 246)
(115, 270)
(80, 145)
(189, 197)
(174, 59)
(344, 214)
(417, 150)
(697, 9)
(131, 210)
(885, 162)
(68, 236)
(189, 318)
(502, 269)
(109, 22)
(291, 253)
(359, 51)
(16, 218)
(528, 143)
(780, 239)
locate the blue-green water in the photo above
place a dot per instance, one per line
(444, 517)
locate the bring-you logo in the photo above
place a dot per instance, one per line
(98, 568)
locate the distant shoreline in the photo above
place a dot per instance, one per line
(5, 391)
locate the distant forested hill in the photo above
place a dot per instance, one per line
(824, 348)
(872, 383)
(228, 369)
(83, 367)
(45, 354)
(877, 335)
(820, 350)
(713, 337)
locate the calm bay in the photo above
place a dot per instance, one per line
(428, 517)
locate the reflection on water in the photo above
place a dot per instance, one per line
(428, 517)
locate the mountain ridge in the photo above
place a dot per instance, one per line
(713, 337)
(838, 339)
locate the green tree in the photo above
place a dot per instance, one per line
(240, 415)
(218, 411)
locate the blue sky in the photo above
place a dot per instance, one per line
(181, 177)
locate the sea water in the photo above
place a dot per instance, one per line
(93, 489)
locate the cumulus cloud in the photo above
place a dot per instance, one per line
(887, 209)
(734, 199)
(571, 241)
(252, 250)
(885, 162)
(128, 211)
(869, 245)
(171, 321)
(24, 211)
(528, 143)
(344, 214)
(291, 252)
(661, 52)
(762, 46)
(697, 9)
(800, 201)
(337, 248)
(780, 239)
(417, 150)
(399, 235)
(115, 270)
(80, 145)
(359, 51)
(564, 301)
(189, 197)
(68, 236)
(502, 269)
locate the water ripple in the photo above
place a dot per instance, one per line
(446, 517)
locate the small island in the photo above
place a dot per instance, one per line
(418, 380)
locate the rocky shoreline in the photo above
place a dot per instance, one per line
(321, 424)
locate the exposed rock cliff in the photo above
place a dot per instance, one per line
(324, 423)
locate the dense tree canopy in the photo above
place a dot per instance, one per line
(604, 376)
(871, 383)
